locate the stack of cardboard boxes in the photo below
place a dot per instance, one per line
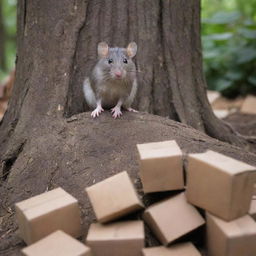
(224, 188)
(249, 105)
(50, 219)
(161, 169)
(221, 186)
(49, 224)
(112, 199)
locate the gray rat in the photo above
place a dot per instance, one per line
(113, 82)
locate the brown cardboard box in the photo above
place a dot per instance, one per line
(254, 190)
(125, 238)
(113, 198)
(183, 249)
(221, 113)
(254, 186)
(220, 184)
(172, 218)
(57, 244)
(252, 210)
(234, 238)
(43, 214)
(212, 96)
(249, 105)
(161, 166)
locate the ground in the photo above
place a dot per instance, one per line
(80, 151)
(244, 124)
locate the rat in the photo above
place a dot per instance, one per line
(113, 82)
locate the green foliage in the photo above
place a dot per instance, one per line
(9, 21)
(229, 49)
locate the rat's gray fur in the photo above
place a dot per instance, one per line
(104, 86)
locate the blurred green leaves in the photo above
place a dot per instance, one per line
(229, 47)
(223, 18)
(8, 39)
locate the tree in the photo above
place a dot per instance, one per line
(45, 142)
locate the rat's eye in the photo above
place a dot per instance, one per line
(110, 61)
(125, 61)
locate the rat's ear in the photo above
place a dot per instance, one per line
(102, 49)
(131, 49)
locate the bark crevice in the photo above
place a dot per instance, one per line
(73, 67)
(9, 159)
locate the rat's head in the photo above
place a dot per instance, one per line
(117, 63)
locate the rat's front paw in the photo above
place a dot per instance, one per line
(116, 112)
(96, 112)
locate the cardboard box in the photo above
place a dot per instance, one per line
(125, 238)
(220, 184)
(221, 113)
(183, 249)
(254, 190)
(57, 244)
(249, 105)
(234, 238)
(41, 215)
(114, 197)
(252, 210)
(161, 166)
(212, 96)
(172, 218)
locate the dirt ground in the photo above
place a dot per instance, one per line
(242, 123)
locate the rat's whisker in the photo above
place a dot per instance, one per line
(137, 71)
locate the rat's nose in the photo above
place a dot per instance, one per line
(118, 74)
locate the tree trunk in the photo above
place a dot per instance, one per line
(55, 55)
(44, 140)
